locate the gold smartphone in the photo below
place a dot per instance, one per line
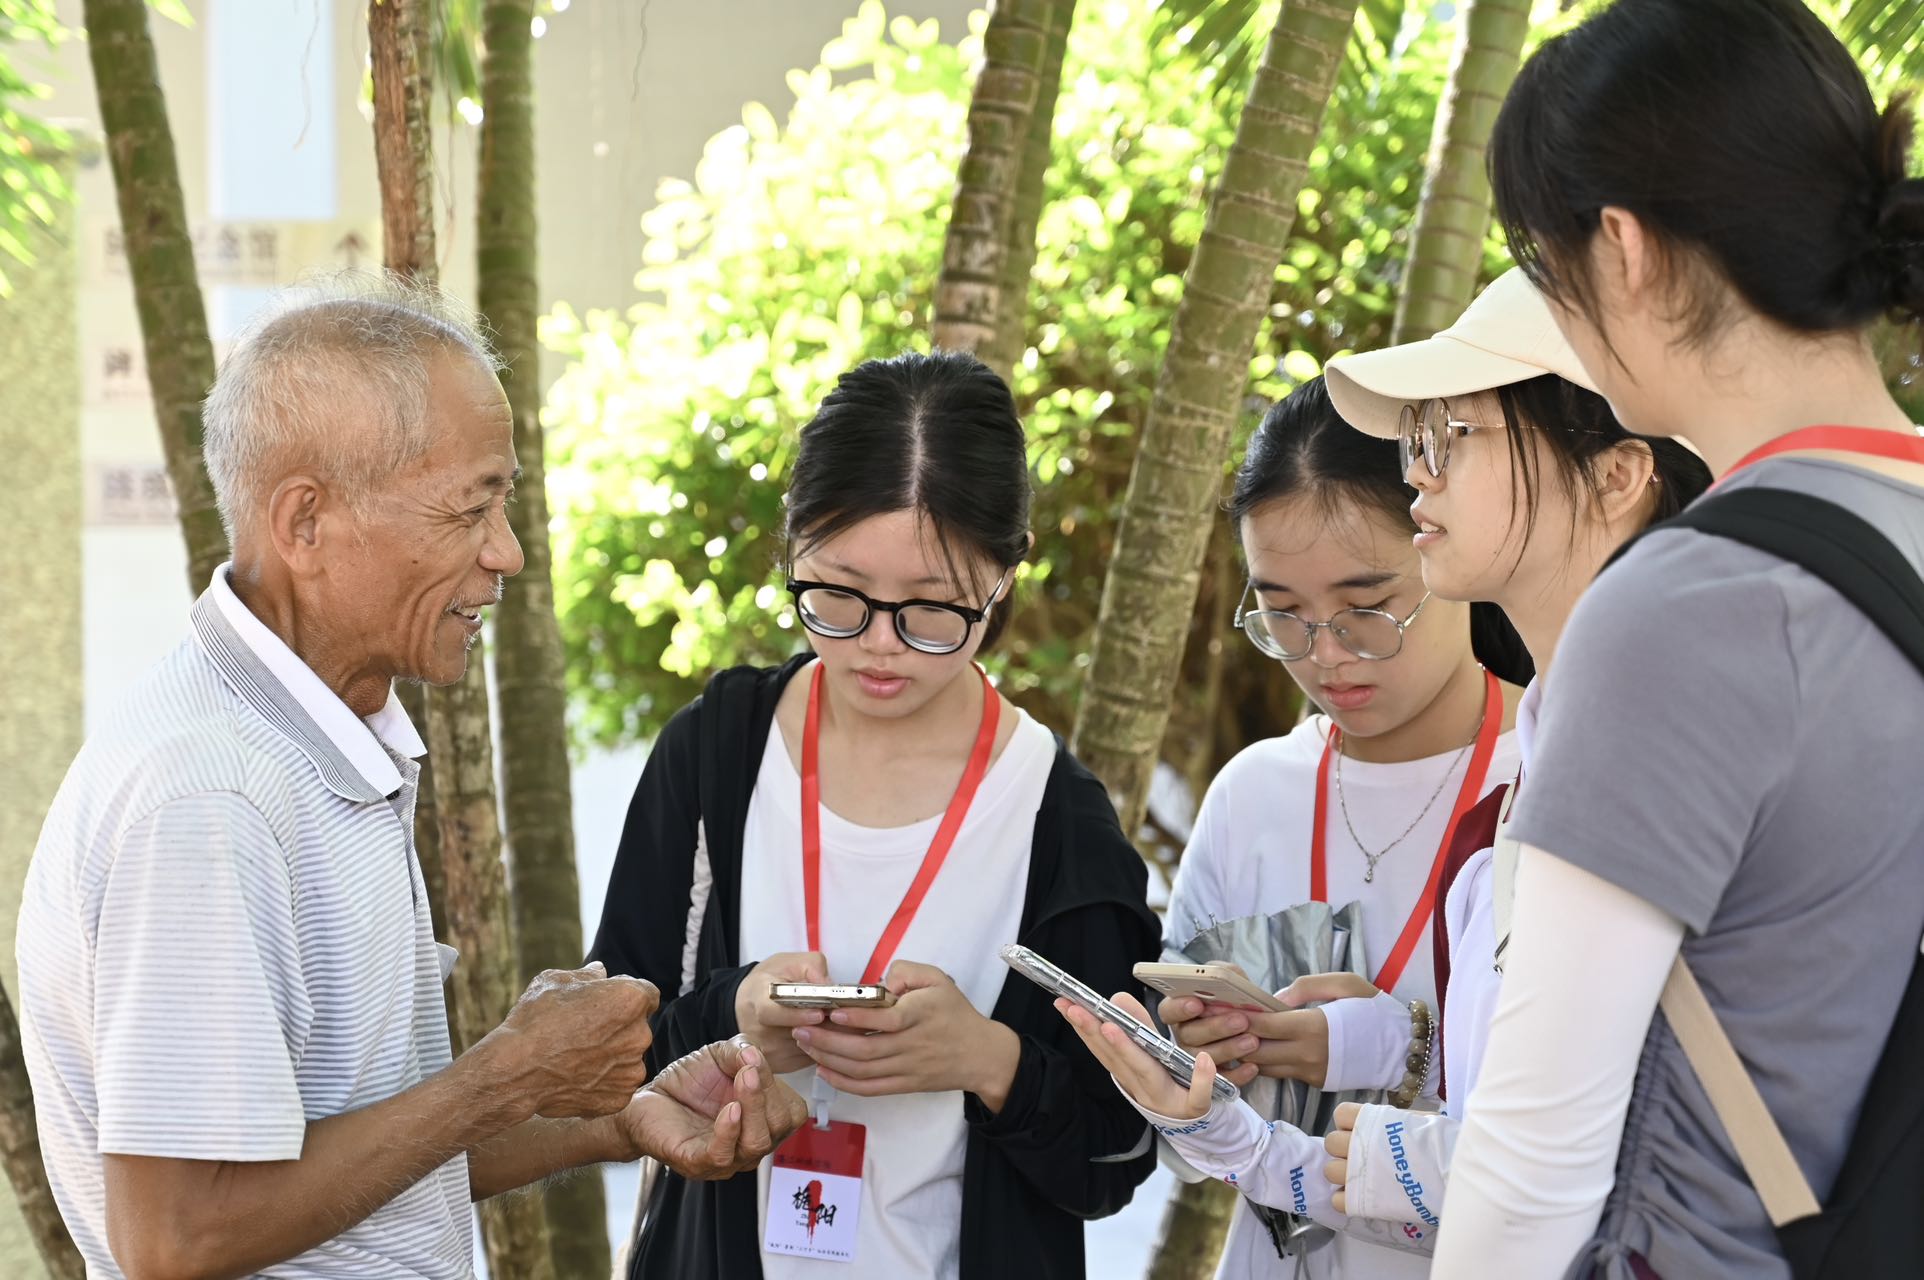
(831, 995)
(1222, 984)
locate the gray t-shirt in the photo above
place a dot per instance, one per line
(1727, 738)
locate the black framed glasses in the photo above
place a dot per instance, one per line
(928, 626)
(1426, 431)
(1371, 634)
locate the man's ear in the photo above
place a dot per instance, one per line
(297, 521)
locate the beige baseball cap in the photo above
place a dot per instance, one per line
(1505, 336)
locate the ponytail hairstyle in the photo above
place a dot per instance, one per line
(1303, 448)
(1744, 139)
(935, 434)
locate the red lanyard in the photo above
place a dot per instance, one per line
(1466, 799)
(1865, 440)
(878, 962)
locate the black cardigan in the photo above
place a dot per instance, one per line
(1065, 1146)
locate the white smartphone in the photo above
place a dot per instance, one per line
(1176, 1060)
(831, 995)
(1222, 984)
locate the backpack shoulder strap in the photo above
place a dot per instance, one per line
(1860, 564)
(1761, 1148)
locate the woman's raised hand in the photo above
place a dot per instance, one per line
(1140, 1075)
(770, 1027)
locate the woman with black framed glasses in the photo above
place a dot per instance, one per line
(1407, 729)
(875, 811)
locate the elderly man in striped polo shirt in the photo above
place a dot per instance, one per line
(231, 995)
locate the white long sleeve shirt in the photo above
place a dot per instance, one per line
(1249, 855)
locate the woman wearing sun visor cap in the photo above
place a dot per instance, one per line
(1484, 412)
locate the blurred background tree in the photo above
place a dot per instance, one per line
(804, 246)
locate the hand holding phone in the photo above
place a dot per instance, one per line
(1291, 1045)
(1145, 1079)
(831, 995)
(929, 1040)
(1139, 1043)
(1215, 984)
(770, 1026)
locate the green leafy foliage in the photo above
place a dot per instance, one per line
(802, 247)
(1887, 37)
(1225, 37)
(456, 51)
(31, 185)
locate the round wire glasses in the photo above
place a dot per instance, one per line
(1371, 634)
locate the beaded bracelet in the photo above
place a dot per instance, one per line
(1417, 1065)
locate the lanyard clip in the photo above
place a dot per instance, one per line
(820, 1095)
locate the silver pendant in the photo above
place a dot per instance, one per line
(1369, 875)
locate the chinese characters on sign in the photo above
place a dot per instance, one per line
(129, 493)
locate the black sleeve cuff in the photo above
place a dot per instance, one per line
(1022, 1109)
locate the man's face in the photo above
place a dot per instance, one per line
(437, 542)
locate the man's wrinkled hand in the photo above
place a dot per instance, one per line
(575, 1042)
(715, 1113)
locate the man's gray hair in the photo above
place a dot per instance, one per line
(333, 376)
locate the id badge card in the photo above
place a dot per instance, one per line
(815, 1192)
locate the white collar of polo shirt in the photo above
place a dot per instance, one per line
(359, 741)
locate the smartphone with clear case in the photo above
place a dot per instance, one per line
(1176, 1060)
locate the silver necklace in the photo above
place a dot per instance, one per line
(1371, 859)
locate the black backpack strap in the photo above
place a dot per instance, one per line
(1864, 1232)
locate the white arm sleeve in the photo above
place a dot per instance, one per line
(1538, 1150)
(1398, 1161)
(1273, 1164)
(1369, 1043)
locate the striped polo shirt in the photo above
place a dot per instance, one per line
(225, 936)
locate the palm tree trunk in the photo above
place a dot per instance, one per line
(160, 261)
(1149, 594)
(20, 1152)
(457, 824)
(975, 253)
(479, 927)
(1004, 347)
(1150, 591)
(529, 673)
(1446, 245)
(398, 38)
(1194, 1225)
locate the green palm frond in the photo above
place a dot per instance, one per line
(457, 50)
(1885, 36)
(1228, 35)
(32, 184)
